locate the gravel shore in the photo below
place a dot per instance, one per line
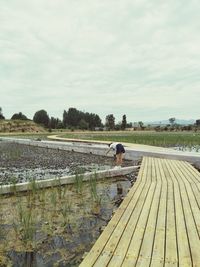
(20, 163)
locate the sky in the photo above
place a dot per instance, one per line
(135, 57)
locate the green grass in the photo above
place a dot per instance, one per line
(164, 139)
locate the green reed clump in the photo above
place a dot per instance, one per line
(79, 182)
(13, 187)
(53, 198)
(26, 226)
(65, 211)
(33, 187)
(93, 188)
(61, 190)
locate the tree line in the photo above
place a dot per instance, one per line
(73, 119)
(76, 119)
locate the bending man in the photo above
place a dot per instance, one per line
(119, 151)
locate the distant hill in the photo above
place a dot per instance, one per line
(13, 126)
(165, 122)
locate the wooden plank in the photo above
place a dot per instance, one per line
(195, 189)
(122, 247)
(137, 239)
(191, 212)
(171, 255)
(158, 255)
(157, 224)
(134, 207)
(98, 247)
(183, 247)
(146, 249)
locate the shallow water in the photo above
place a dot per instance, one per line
(66, 223)
(193, 149)
(21, 163)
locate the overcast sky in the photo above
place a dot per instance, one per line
(135, 57)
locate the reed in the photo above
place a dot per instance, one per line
(53, 198)
(33, 187)
(26, 227)
(78, 183)
(65, 215)
(13, 188)
(61, 190)
(93, 188)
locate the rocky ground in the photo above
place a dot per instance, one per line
(19, 163)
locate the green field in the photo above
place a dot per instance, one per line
(164, 139)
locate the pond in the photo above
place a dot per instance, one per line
(56, 226)
(187, 148)
(21, 163)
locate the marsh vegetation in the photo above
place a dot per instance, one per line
(184, 140)
(56, 225)
(22, 163)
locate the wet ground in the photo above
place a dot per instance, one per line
(63, 224)
(20, 163)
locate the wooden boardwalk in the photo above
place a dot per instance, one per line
(157, 224)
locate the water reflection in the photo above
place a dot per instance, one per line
(55, 242)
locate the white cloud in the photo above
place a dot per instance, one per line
(139, 58)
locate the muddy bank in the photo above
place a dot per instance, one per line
(21, 163)
(64, 223)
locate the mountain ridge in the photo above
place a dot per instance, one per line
(177, 121)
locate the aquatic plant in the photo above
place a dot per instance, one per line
(26, 227)
(53, 198)
(42, 196)
(61, 190)
(13, 188)
(65, 213)
(78, 182)
(33, 187)
(93, 188)
(165, 139)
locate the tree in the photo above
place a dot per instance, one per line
(19, 116)
(52, 123)
(55, 123)
(93, 120)
(41, 117)
(110, 122)
(1, 115)
(65, 118)
(72, 117)
(172, 120)
(124, 122)
(198, 123)
(141, 124)
(118, 126)
(83, 125)
(76, 118)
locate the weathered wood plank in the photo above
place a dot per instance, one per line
(137, 239)
(171, 254)
(146, 249)
(191, 212)
(98, 247)
(183, 247)
(158, 223)
(158, 253)
(122, 247)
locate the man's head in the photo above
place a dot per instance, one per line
(109, 144)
